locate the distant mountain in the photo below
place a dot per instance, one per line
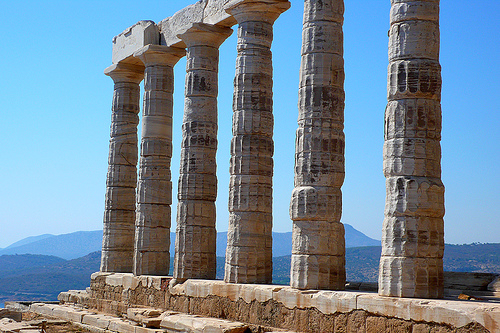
(362, 262)
(355, 238)
(28, 240)
(38, 277)
(78, 244)
(67, 246)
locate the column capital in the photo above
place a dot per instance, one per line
(251, 10)
(152, 55)
(205, 35)
(122, 72)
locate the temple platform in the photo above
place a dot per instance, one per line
(283, 307)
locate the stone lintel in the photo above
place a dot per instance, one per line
(180, 22)
(450, 312)
(124, 72)
(166, 31)
(214, 13)
(152, 55)
(210, 12)
(133, 38)
(205, 35)
(250, 10)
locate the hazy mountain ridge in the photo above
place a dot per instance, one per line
(77, 244)
(38, 277)
(67, 246)
(28, 240)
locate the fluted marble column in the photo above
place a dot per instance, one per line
(318, 245)
(249, 247)
(154, 192)
(119, 214)
(195, 245)
(413, 233)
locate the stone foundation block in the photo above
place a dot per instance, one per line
(97, 320)
(118, 325)
(188, 323)
(292, 309)
(42, 308)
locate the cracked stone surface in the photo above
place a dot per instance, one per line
(119, 214)
(154, 190)
(195, 246)
(318, 249)
(249, 249)
(413, 232)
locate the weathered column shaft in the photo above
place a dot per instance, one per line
(154, 192)
(249, 247)
(413, 233)
(119, 214)
(195, 246)
(318, 245)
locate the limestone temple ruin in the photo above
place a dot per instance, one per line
(137, 220)
(137, 217)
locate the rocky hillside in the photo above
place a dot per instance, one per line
(39, 277)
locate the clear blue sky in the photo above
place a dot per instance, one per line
(56, 105)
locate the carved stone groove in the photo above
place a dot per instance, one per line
(413, 232)
(249, 248)
(119, 213)
(195, 245)
(318, 249)
(154, 192)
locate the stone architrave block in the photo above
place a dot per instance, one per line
(180, 22)
(133, 38)
(214, 13)
(204, 11)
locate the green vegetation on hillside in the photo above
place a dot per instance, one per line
(38, 277)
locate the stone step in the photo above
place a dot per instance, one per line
(140, 320)
(181, 322)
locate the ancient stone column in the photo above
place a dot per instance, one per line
(119, 214)
(413, 236)
(196, 235)
(154, 189)
(249, 246)
(318, 245)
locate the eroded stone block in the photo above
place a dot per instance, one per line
(133, 38)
